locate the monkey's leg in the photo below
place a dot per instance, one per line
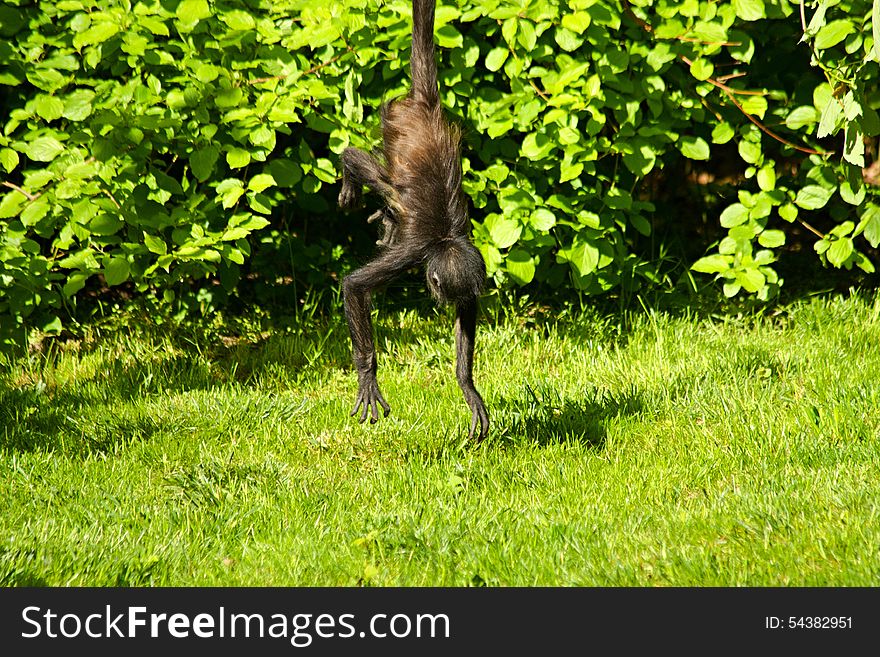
(359, 169)
(465, 336)
(356, 290)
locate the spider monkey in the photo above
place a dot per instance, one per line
(425, 222)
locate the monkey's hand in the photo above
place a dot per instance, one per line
(369, 399)
(349, 195)
(478, 415)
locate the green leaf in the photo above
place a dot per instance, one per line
(712, 264)
(116, 271)
(702, 69)
(192, 11)
(750, 151)
(48, 107)
(852, 197)
(237, 158)
(153, 25)
(75, 282)
(570, 170)
(98, 33)
(155, 244)
(618, 199)
(842, 229)
(567, 39)
(870, 225)
(11, 204)
(767, 178)
(105, 224)
(237, 19)
(640, 161)
(734, 215)
(731, 289)
(503, 231)
(789, 212)
(875, 29)
(641, 224)
(771, 238)
(542, 219)
(44, 149)
(722, 133)
(751, 279)
(813, 197)
(285, 172)
(8, 159)
(496, 58)
(34, 211)
(78, 105)
(805, 115)
(583, 257)
(694, 148)
(829, 123)
(754, 105)
(817, 21)
(536, 146)
(230, 190)
(448, 37)
(202, 162)
(526, 36)
(831, 34)
(749, 10)
(840, 251)
(854, 146)
(260, 182)
(577, 21)
(54, 325)
(520, 266)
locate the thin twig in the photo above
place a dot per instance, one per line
(314, 69)
(722, 86)
(707, 43)
(730, 92)
(30, 197)
(112, 198)
(817, 233)
(539, 92)
(770, 133)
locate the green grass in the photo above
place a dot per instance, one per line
(676, 451)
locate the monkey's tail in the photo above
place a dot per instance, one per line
(422, 61)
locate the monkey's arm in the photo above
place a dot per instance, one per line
(356, 289)
(359, 169)
(465, 335)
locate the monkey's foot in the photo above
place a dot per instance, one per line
(378, 214)
(370, 398)
(479, 414)
(349, 196)
(389, 225)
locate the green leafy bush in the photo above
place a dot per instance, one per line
(145, 143)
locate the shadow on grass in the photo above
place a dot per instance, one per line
(63, 422)
(546, 418)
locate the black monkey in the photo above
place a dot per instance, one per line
(425, 222)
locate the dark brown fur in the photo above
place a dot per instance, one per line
(425, 221)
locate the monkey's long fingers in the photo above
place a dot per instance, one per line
(480, 415)
(360, 402)
(484, 425)
(386, 409)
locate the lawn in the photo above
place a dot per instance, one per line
(651, 449)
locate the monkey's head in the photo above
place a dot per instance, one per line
(455, 271)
